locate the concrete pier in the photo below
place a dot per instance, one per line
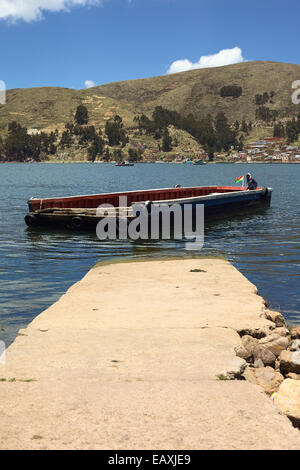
(134, 356)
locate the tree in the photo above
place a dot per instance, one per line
(279, 130)
(87, 134)
(216, 134)
(96, 148)
(66, 140)
(292, 131)
(1, 149)
(81, 116)
(226, 137)
(134, 155)
(166, 141)
(161, 117)
(266, 114)
(260, 100)
(118, 155)
(210, 152)
(115, 132)
(145, 124)
(240, 145)
(244, 127)
(106, 155)
(70, 127)
(231, 90)
(19, 146)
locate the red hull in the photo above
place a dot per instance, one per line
(94, 200)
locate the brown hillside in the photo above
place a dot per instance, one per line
(196, 91)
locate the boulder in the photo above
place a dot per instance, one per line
(295, 332)
(281, 331)
(261, 352)
(288, 400)
(265, 377)
(258, 364)
(277, 363)
(293, 376)
(258, 351)
(295, 346)
(249, 343)
(275, 343)
(243, 353)
(272, 337)
(275, 317)
(259, 332)
(290, 362)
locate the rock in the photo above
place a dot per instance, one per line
(257, 332)
(258, 351)
(243, 353)
(295, 346)
(249, 343)
(293, 376)
(275, 343)
(266, 377)
(290, 362)
(272, 337)
(281, 331)
(288, 400)
(258, 364)
(275, 317)
(237, 371)
(295, 332)
(261, 352)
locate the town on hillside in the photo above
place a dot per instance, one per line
(267, 150)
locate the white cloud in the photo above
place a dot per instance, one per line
(223, 57)
(89, 84)
(29, 10)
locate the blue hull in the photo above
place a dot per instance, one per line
(229, 204)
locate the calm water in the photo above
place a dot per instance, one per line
(37, 267)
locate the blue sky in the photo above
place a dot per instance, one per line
(121, 39)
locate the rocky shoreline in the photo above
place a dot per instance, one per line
(273, 362)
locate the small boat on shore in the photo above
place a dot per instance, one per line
(199, 162)
(80, 212)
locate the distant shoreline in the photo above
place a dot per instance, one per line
(159, 162)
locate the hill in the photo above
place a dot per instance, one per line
(196, 91)
(49, 108)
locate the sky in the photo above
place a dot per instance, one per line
(82, 43)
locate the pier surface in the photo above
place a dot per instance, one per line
(131, 357)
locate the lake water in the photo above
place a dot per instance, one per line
(38, 266)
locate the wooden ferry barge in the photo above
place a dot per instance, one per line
(80, 212)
